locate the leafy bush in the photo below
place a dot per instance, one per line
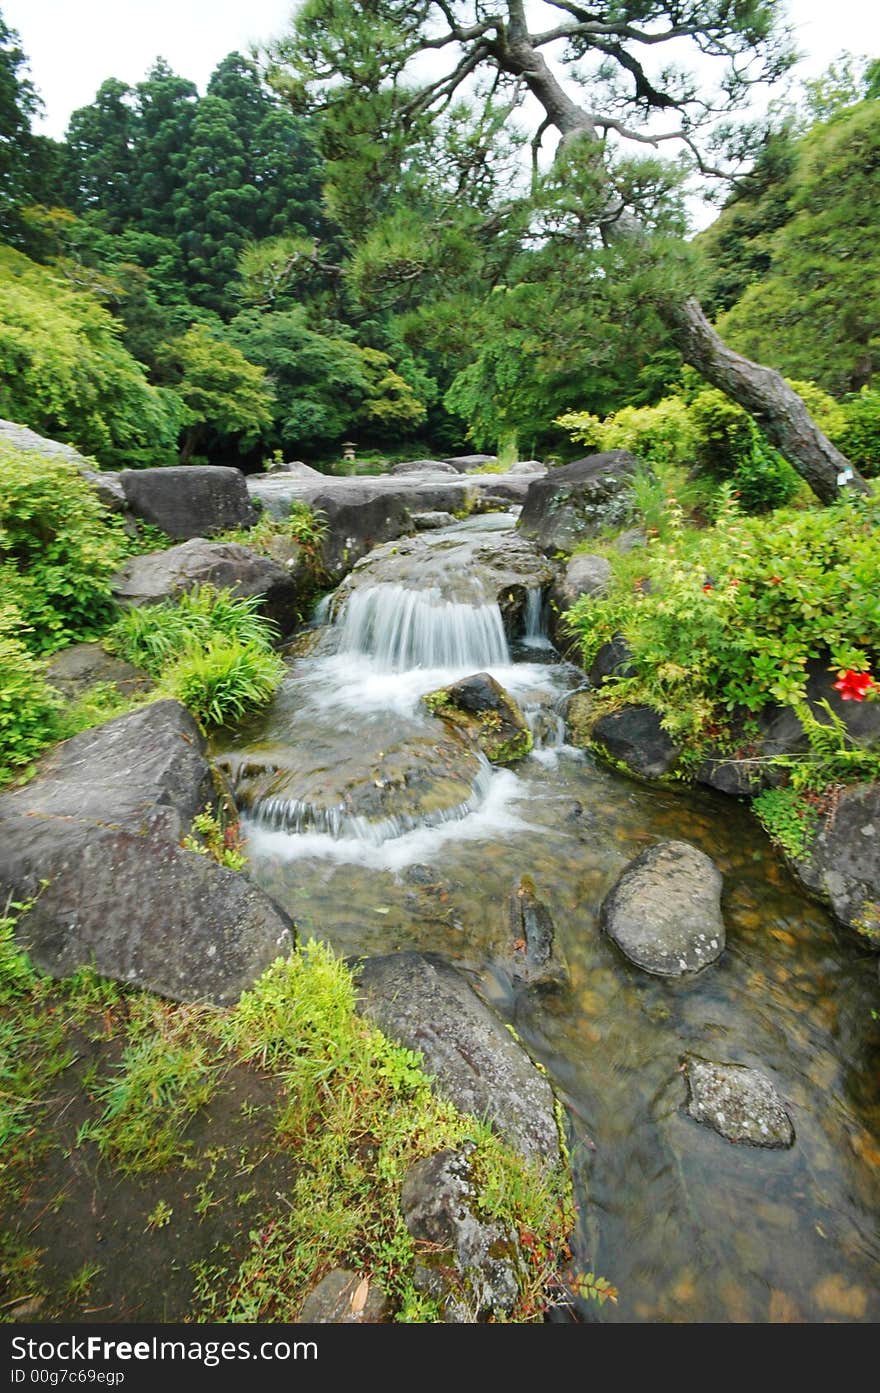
(733, 614)
(728, 445)
(660, 434)
(859, 435)
(156, 636)
(27, 706)
(58, 549)
(224, 680)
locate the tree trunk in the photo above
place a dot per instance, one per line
(764, 393)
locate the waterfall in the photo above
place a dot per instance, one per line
(404, 629)
(535, 633)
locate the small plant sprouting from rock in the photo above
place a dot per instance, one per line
(221, 841)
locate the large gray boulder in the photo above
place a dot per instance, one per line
(664, 913)
(162, 575)
(842, 866)
(464, 463)
(189, 500)
(94, 840)
(23, 438)
(739, 1103)
(424, 1004)
(357, 520)
(579, 500)
(585, 574)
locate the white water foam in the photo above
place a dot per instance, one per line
(491, 821)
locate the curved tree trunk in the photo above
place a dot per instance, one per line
(764, 393)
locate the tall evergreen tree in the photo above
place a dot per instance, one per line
(29, 163)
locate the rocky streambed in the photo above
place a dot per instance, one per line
(721, 1104)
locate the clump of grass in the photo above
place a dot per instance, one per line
(211, 649)
(162, 1081)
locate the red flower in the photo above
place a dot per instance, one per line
(708, 586)
(855, 686)
(776, 580)
(733, 582)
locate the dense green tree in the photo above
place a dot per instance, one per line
(227, 400)
(339, 56)
(29, 164)
(101, 170)
(65, 373)
(815, 313)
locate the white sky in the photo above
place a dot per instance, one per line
(73, 45)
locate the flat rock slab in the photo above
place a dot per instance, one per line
(664, 913)
(739, 1103)
(343, 1298)
(95, 841)
(189, 500)
(162, 575)
(424, 1004)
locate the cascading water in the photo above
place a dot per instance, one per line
(403, 629)
(378, 832)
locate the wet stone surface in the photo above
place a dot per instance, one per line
(665, 911)
(741, 1104)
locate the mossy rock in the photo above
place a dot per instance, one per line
(482, 709)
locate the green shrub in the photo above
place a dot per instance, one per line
(733, 614)
(859, 436)
(660, 434)
(58, 549)
(27, 705)
(226, 679)
(729, 446)
(157, 635)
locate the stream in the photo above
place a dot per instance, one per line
(376, 833)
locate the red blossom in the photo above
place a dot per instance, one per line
(708, 586)
(855, 686)
(776, 580)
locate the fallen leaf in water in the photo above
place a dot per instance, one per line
(784, 937)
(783, 1310)
(359, 1299)
(833, 1294)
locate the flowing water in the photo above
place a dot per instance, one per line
(377, 834)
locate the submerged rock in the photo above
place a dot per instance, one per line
(189, 500)
(634, 737)
(424, 1004)
(579, 500)
(358, 790)
(94, 840)
(842, 866)
(468, 1263)
(162, 575)
(343, 1298)
(481, 708)
(533, 959)
(664, 913)
(741, 1104)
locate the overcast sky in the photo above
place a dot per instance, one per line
(73, 45)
